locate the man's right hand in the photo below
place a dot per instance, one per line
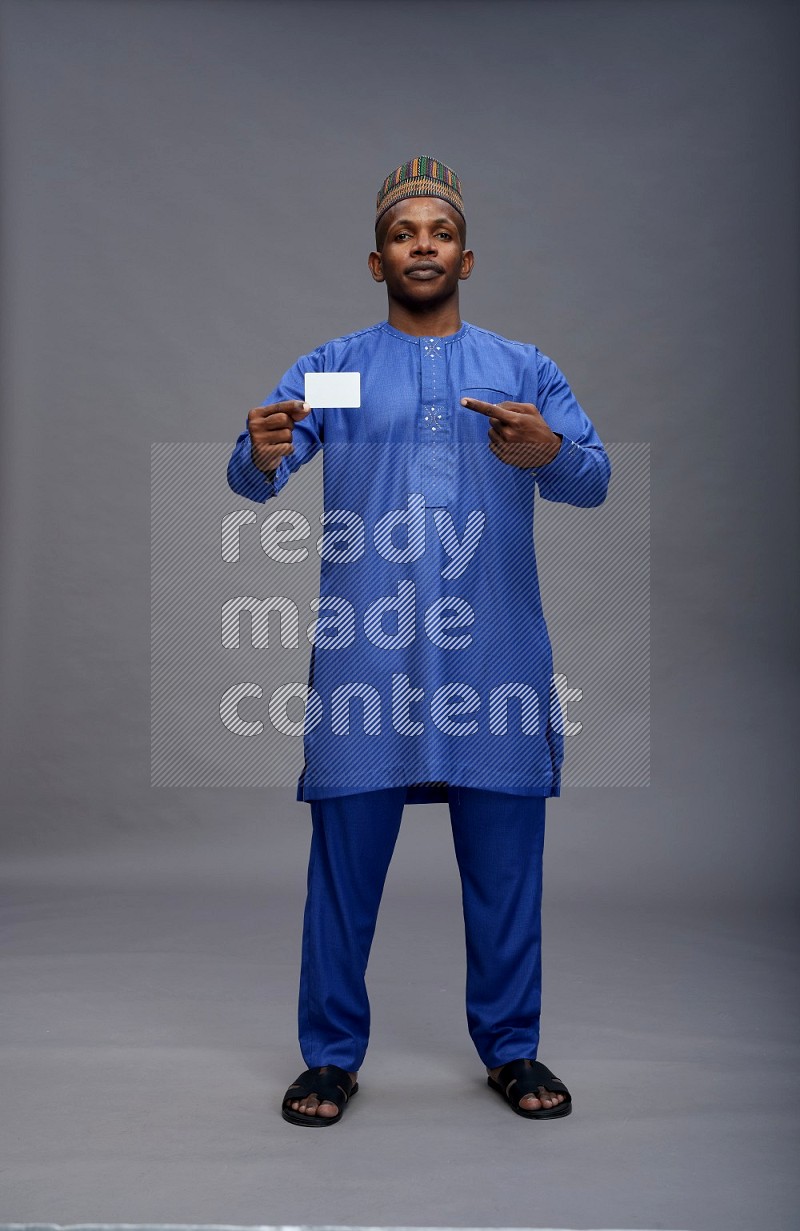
(271, 428)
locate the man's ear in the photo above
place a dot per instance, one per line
(467, 263)
(376, 266)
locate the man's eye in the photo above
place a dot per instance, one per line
(402, 235)
(445, 235)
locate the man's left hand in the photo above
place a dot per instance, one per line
(518, 435)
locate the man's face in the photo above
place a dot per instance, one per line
(421, 255)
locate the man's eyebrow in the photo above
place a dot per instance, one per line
(409, 222)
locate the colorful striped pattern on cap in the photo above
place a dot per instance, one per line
(420, 177)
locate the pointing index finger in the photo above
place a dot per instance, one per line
(490, 409)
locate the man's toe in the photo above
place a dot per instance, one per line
(545, 1099)
(311, 1106)
(307, 1106)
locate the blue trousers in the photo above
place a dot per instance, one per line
(499, 843)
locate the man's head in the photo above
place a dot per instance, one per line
(419, 177)
(420, 234)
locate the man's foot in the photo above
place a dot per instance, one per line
(311, 1106)
(530, 1102)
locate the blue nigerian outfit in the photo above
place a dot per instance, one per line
(431, 665)
(428, 529)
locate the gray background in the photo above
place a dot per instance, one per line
(187, 200)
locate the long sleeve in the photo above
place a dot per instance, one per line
(580, 471)
(244, 477)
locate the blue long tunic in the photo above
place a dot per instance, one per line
(431, 662)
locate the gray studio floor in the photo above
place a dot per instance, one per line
(148, 1020)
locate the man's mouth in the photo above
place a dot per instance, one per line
(424, 271)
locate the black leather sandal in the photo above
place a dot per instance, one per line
(521, 1077)
(330, 1084)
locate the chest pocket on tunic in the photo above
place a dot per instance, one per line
(475, 426)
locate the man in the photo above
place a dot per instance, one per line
(431, 668)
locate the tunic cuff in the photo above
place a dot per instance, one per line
(253, 482)
(560, 463)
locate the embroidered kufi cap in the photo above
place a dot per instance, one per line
(420, 177)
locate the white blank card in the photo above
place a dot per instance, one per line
(333, 389)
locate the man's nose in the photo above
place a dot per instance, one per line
(424, 242)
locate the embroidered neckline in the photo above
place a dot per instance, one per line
(415, 341)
